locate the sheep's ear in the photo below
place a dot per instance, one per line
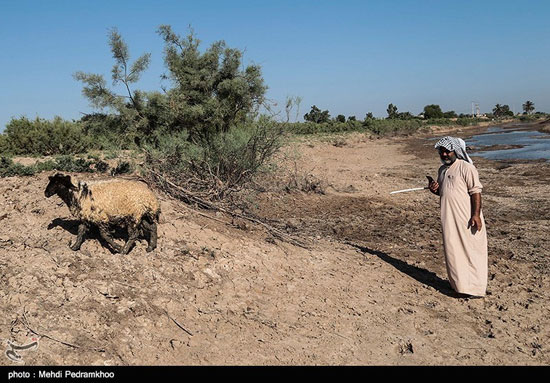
(55, 175)
(67, 181)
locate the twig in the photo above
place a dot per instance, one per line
(187, 194)
(207, 205)
(179, 325)
(207, 216)
(25, 323)
(341, 336)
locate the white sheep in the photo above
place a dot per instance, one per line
(107, 203)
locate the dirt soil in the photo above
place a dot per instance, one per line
(369, 289)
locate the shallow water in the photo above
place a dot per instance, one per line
(535, 145)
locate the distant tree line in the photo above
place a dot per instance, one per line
(315, 115)
(430, 112)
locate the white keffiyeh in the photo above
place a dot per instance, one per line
(456, 145)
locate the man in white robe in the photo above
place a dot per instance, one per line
(463, 225)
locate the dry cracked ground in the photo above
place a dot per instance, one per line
(368, 288)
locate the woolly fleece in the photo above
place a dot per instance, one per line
(111, 200)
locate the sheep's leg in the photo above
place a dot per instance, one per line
(146, 225)
(82, 229)
(151, 231)
(107, 237)
(152, 239)
(133, 233)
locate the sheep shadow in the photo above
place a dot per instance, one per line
(71, 226)
(423, 276)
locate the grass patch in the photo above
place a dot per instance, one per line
(10, 168)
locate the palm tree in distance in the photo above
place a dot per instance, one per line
(528, 107)
(497, 110)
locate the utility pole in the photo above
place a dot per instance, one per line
(475, 109)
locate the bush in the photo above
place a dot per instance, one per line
(122, 167)
(5, 148)
(326, 127)
(317, 116)
(73, 165)
(8, 168)
(467, 121)
(42, 137)
(107, 132)
(462, 121)
(433, 111)
(450, 114)
(379, 127)
(527, 118)
(219, 167)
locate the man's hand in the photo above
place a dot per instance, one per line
(475, 222)
(433, 185)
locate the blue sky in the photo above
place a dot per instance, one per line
(350, 57)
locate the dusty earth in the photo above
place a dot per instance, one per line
(369, 288)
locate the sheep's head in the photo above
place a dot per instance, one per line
(58, 183)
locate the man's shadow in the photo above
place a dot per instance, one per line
(421, 275)
(71, 225)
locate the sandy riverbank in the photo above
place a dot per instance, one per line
(370, 288)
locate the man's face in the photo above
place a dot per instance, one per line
(447, 157)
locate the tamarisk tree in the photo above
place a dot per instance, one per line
(200, 132)
(131, 106)
(211, 91)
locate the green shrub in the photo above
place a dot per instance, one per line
(45, 166)
(122, 167)
(9, 168)
(100, 166)
(222, 165)
(527, 118)
(379, 127)
(5, 148)
(325, 127)
(42, 137)
(462, 121)
(468, 121)
(106, 132)
(74, 165)
(433, 112)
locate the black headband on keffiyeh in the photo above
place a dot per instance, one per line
(456, 145)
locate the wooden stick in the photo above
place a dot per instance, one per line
(177, 324)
